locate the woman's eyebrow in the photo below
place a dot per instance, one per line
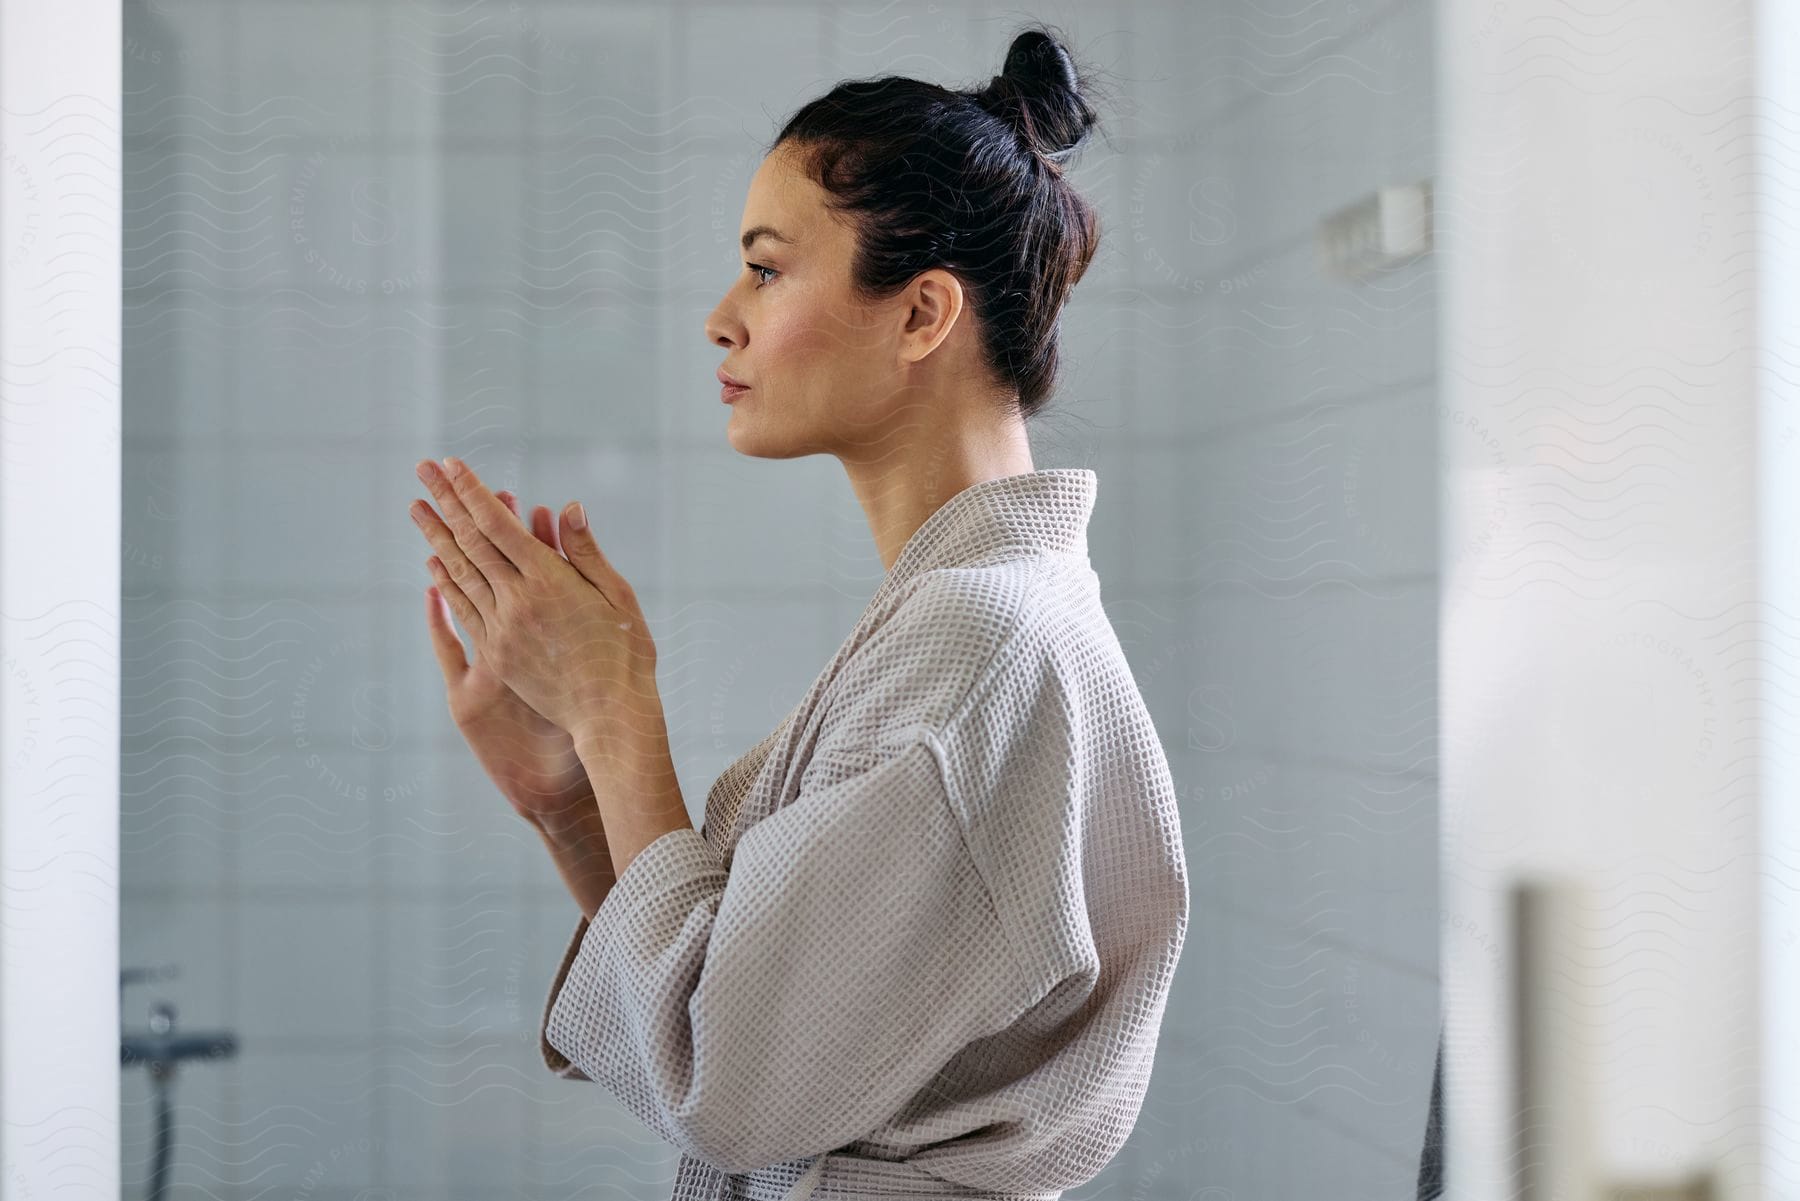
(763, 231)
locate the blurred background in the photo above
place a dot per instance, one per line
(359, 234)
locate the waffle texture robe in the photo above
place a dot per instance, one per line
(930, 923)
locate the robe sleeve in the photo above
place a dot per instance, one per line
(804, 999)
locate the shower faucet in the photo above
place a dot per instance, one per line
(161, 1049)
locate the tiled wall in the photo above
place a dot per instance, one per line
(359, 234)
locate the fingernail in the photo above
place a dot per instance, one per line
(578, 517)
(423, 471)
(454, 466)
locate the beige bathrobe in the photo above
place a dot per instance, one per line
(930, 922)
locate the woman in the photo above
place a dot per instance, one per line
(923, 944)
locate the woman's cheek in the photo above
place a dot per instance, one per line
(798, 331)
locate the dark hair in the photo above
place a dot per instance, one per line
(970, 181)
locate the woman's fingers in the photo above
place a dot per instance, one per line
(444, 642)
(466, 613)
(540, 523)
(483, 557)
(498, 546)
(461, 572)
(543, 524)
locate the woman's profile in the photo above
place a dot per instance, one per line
(923, 943)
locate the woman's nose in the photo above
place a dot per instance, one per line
(721, 332)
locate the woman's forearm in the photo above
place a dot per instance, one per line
(577, 844)
(639, 792)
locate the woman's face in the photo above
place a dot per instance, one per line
(823, 368)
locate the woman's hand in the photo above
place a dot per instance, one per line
(530, 759)
(566, 634)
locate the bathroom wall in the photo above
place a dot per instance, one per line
(361, 234)
(1281, 591)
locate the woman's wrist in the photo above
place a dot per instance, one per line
(579, 824)
(577, 845)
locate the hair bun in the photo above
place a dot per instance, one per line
(1038, 92)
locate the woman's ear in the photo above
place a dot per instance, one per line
(934, 307)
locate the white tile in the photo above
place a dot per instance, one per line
(1378, 335)
(1175, 73)
(176, 824)
(1383, 1028)
(923, 42)
(323, 219)
(444, 828)
(602, 74)
(481, 233)
(1161, 501)
(1186, 208)
(410, 339)
(729, 521)
(453, 977)
(307, 820)
(1405, 49)
(182, 761)
(398, 198)
(1171, 351)
(1097, 380)
(177, 67)
(456, 72)
(233, 200)
(310, 67)
(1385, 486)
(478, 393)
(1101, 175)
(730, 668)
(594, 223)
(455, 1123)
(305, 973)
(298, 520)
(1344, 493)
(1346, 857)
(309, 678)
(1349, 113)
(410, 674)
(1259, 353)
(1330, 675)
(306, 1116)
(179, 225)
(693, 210)
(747, 69)
(169, 536)
(308, 368)
(597, 376)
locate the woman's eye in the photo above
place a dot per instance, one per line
(755, 267)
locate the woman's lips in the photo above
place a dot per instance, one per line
(730, 392)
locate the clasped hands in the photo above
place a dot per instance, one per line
(566, 634)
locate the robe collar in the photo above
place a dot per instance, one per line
(1037, 512)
